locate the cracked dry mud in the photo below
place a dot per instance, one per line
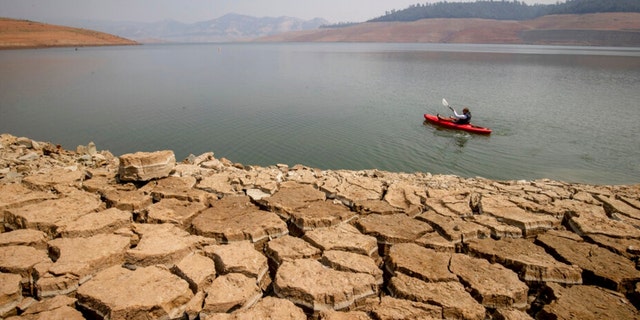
(87, 235)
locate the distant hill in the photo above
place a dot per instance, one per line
(505, 10)
(599, 29)
(17, 34)
(228, 28)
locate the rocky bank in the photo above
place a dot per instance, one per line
(87, 235)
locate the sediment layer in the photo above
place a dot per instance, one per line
(86, 235)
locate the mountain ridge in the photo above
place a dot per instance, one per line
(231, 27)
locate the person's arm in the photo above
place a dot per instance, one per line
(459, 116)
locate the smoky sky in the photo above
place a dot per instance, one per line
(200, 10)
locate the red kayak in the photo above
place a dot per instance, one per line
(448, 124)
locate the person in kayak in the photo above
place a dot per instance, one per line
(464, 118)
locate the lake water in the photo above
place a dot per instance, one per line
(566, 113)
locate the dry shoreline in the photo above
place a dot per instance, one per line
(86, 234)
(24, 34)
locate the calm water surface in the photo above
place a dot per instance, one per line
(567, 113)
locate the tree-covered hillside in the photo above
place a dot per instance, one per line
(506, 10)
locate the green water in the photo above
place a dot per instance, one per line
(566, 113)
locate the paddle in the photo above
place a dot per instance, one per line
(446, 104)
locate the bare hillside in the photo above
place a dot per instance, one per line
(608, 29)
(16, 34)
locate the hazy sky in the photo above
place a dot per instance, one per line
(200, 10)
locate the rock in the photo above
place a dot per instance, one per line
(80, 259)
(105, 221)
(145, 166)
(350, 187)
(162, 244)
(17, 195)
(267, 308)
(628, 248)
(498, 229)
(392, 308)
(531, 262)
(24, 141)
(198, 270)
(263, 179)
(290, 248)
(64, 312)
(290, 197)
(221, 184)
(352, 262)
(151, 292)
(234, 219)
(49, 215)
(257, 194)
(589, 225)
(340, 315)
(586, 302)
(510, 314)
(178, 212)
(343, 237)
(601, 266)
(309, 284)
(407, 196)
(31, 156)
(391, 229)
(229, 292)
(24, 237)
(450, 296)
(179, 188)
(91, 149)
(419, 262)
(320, 214)
(127, 200)
(366, 207)
(531, 224)
(47, 180)
(48, 305)
(23, 261)
(240, 257)
(493, 285)
(453, 228)
(437, 242)
(613, 206)
(10, 294)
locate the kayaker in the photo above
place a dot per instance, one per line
(463, 118)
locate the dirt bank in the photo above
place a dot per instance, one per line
(609, 29)
(21, 34)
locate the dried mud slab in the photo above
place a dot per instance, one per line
(530, 261)
(311, 285)
(237, 219)
(343, 237)
(493, 285)
(450, 296)
(600, 265)
(587, 302)
(419, 262)
(115, 293)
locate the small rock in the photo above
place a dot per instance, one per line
(144, 166)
